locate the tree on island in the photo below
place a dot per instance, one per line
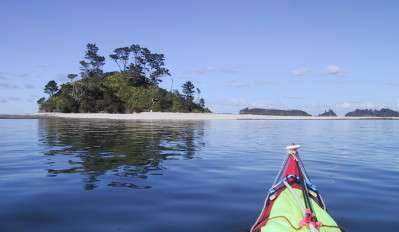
(201, 102)
(121, 57)
(134, 88)
(93, 63)
(188, 91)
(51, 88)
(41, 100)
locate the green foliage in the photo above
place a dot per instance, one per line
(92, 64)
(51, 88)
(121, 57)
(133, 89)
(137, 99)
(178, 104)
(188, 91)
(201, 102)
(41, 100)
(143, 67)
(47, 106)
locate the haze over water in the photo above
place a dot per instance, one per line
(98, 175)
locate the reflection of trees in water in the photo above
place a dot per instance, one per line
(115, 152)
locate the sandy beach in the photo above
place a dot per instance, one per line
(181, 116)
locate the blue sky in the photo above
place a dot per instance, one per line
(301, 54)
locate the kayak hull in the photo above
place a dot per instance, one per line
(290, 196)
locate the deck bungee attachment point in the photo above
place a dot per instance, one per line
(293, 203)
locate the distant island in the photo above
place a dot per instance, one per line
(358, 113)
(132, 88)
(384, 112)
(329, 113)
(273, 112)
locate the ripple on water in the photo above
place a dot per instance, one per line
(98, 175)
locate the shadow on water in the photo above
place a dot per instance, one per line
(116, 153)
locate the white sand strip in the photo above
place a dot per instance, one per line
(193, 116)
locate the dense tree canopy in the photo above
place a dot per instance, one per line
(140, 64)
(134, 88)
(51, 88)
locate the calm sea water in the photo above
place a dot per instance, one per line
(77, 175)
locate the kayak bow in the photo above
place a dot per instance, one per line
(293, 203)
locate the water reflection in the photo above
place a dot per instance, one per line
(116, 153)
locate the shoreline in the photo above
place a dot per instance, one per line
(180, 116)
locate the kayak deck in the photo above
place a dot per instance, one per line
(293, 203)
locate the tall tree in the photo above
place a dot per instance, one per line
(202, 102)
(93, 63)
(154, 66)
(188, 91)
(121, 57)
(198, 93)
(51, 88)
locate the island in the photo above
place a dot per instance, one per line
(133, 88)
(384, 112)
(132, 92)
(329, 113)
(273, 112)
